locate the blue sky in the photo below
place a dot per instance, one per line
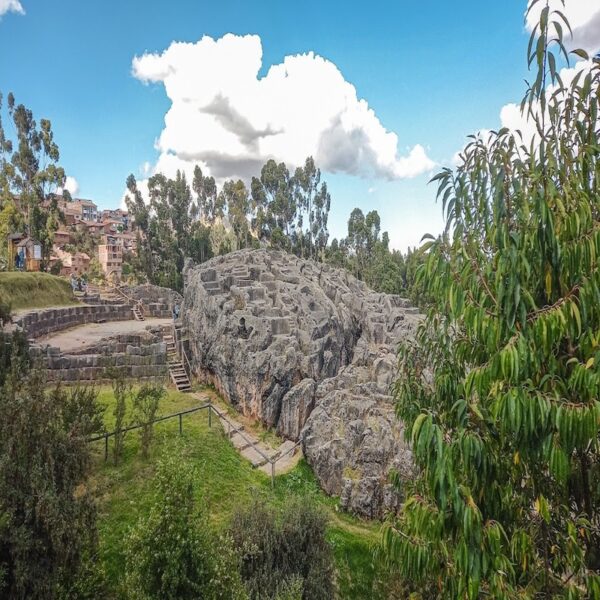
(432, 72)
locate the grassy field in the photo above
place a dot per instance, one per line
(34, 290)
(226, 481)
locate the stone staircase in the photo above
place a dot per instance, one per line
(177, 370)
(138, 315)
(257, 452)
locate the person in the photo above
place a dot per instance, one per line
(176, 311)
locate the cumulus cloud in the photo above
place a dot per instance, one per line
(7, 6)
(583, 16)
(71, 185)
(230, 121)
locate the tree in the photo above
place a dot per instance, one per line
(145, 406)
(122, 392)
(500, 391)
(205, 188)
(234, 195)
(29, 176)
(47, 514)
(171, 553)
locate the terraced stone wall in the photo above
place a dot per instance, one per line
(42, 322)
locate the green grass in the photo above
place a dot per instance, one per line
(226, 481)
(34, 290)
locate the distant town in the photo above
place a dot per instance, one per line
(88, 242)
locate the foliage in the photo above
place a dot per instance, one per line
(278, 548)
(168, 230)
(29, 176)
(14, 354)
(47, 514)
(366, 253)
(172, 553)
(123, 393)
(145, 406)
(500, 392)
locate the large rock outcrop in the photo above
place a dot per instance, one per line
(310, 351)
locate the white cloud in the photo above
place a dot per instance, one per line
(71, 185)
(583, 16)
(511, 116)
(7, 6)
(229, 121)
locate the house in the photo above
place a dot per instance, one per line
(89, 211)
(110, 256)
(62, 237)
(95, 228)
(76, 263)
(118, 215)
(78, 210)
(24, 253)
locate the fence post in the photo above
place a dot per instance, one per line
(106, 447)
(180, 424)
(210, 415)
(272, 473)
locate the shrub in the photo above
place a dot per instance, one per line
(281, 549)
(47, 515)
(145, 406)
(172, 553)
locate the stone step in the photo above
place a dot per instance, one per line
(239, 442)
(255, 458)
(286, 447)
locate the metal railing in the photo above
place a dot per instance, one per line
(272, 460)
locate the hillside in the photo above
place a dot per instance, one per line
(228, 481)
(34, 290)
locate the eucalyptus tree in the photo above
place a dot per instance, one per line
(235, 196)
(208, 204)
(500, 389)
(29, 172)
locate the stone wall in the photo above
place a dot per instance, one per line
(138, 357)
(50, 320)
(157, 301)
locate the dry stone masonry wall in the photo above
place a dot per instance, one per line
(142, 357)
(42, 322)
(310, 351)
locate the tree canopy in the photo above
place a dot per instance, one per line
(500, 389)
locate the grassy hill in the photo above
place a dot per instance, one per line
(227, 481)
(34, 290)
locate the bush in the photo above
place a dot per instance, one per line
(47, 515)
(281, 549)
(145, 407)
(172, 553)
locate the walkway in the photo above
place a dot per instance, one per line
(77, 338)
(251, 447)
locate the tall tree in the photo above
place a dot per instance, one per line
(205, 189)
(234, 195)
(500, 391)
(30, 175)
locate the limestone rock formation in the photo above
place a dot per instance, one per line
(310, 351)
